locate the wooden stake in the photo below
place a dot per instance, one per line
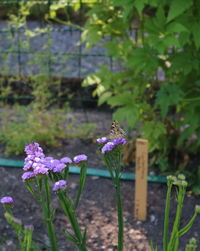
(141, 179)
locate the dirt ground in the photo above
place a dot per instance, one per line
(97, 208)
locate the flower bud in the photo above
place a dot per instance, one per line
(197, 209)
(181, 177)
(61, 184)
(7, 200)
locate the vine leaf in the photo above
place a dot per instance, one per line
(177, 8)
(166, 96)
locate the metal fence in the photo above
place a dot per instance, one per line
(33, 47)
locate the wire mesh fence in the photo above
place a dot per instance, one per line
(29, 47)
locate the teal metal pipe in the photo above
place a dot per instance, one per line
(90, 171)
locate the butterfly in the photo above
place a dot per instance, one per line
(116, 132)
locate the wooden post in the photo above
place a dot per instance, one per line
(141, 172)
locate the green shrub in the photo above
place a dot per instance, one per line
(23, 125)
(166, 41)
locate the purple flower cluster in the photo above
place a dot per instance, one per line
(61, 184)
(56, 165)
(110, 145)
(119, 141)
(102, 140)
(28, 176)
(33, 164)
(41, 170)
(7, 200)
(34, 157)
(34, 149)
(66, 160)
(80, 158)
(36, 163)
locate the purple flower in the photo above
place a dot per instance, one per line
(79, 158)
(48, 162)
(35, 155)
(37, 159)
(66, 160)
(28, 176)
(119, 141)
(61, 184)
(58, 168)
(55, 162)
(102, 140)
(7, 200)
(34, 149)
(40, 169)
(47, 159)
(108, 147)
(28, 165)
(29, 157)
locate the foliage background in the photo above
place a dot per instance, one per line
(157, 90)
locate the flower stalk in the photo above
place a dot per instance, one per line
(47, 213)
(78, 239)
(176, 233)
(111, 151)
(170, 180)
(120, 215)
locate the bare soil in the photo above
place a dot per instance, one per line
(97, 209)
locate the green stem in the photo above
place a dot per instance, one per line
(72, 218)
(83, 172)
(52, 236)
(109, 166)
(8, 209)
(28, 239)
(173, 244)
(120, 215)
(48, 218)
(31, 190)
(66, 172)
(166, 220)
(113, 165)
(188, 226)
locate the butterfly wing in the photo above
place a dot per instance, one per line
(115, 131)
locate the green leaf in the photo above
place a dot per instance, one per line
(143, 59)
(177, 8)
(171, 40)
(130, 114)
(126, 98)
(196, 34)
(104, 97)
(153, 131)
(183, 38)
(91, 80)
(112, 48)
(84, 237)
(176, 27)
(168, 95)
(139, 5)
(72, 238)
(177, 63)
